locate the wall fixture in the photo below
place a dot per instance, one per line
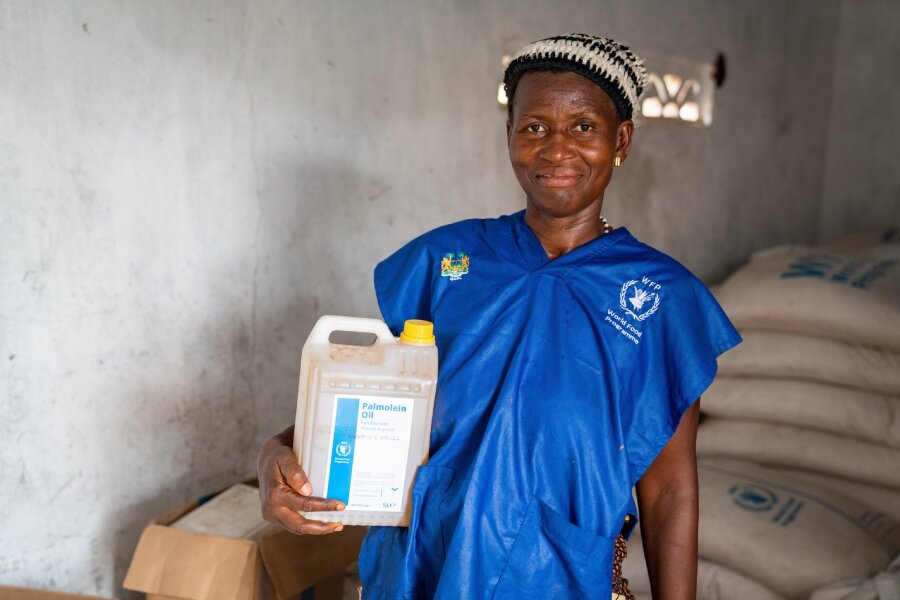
(680, 90)
(501, 91)
(511, 47)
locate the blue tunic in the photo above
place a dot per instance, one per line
(560, 382)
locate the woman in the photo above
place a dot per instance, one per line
(571, 355)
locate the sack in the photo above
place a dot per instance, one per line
(788, 355)
(884, 243)
(883, 586)
(798, 448)
(840, 410)
(852, 295)
(714, 581)
(884, 500)
(717, 582)
(789, 536)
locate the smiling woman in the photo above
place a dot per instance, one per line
(571, 360)
(564, 136)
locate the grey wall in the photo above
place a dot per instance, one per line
(185, 187)
(862, 182)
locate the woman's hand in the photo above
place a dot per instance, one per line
(284, 489)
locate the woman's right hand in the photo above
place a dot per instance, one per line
(284, 489)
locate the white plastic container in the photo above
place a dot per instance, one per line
(364, 417)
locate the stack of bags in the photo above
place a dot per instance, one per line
(767, 535)
(799, 456)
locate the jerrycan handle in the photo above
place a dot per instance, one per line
(328, 324)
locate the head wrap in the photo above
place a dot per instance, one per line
(607, 63)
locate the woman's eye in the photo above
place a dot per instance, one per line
(534, 128)
(583, 127)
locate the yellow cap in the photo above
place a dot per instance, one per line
(417, 331)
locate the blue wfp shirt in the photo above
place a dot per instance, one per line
(560, 381)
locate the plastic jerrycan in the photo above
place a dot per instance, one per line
(364, 417)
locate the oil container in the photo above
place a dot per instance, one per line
(364, 416)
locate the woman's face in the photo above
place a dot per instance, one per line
(563, 138)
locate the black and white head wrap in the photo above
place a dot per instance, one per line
(607, 63)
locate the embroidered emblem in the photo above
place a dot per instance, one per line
(640, 302)
(455, 266)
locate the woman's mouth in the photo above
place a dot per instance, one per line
(557, 177)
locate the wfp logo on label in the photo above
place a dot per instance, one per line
(640, 299)
(343, 449)
(753, 497)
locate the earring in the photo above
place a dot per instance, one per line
(618, 161)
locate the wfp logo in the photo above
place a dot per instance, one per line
(640, 299)
(343, 449)
(753, 497)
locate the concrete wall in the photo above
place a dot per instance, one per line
(862, 182)
(186, 186)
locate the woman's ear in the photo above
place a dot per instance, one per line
(623, 138)
(508, 131)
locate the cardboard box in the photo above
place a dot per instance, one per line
(17, 593)
(171, 563)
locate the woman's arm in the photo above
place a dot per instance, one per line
(668, 502)
(284, 489)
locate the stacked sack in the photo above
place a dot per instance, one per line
(799, 458)
(765, 535)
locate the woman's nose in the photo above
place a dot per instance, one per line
(557, 147)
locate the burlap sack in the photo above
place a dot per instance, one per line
(714, 581)
(885, 585)
(841, 410)
(790, 536)
(884, 500)
(884, 243)
(841, 291)
(798, 448)
(794, 356)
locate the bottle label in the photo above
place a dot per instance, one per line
(369, 449)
